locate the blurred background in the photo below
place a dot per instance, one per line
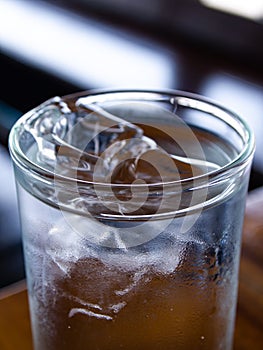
(56, 47)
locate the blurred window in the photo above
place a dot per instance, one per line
(81, 50)
(252, 9)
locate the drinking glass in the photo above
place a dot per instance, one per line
(132, 205)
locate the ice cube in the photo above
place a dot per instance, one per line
(118, 163)
(94, 142)
(97, 129)
(89, 142)
(63, 246)
(88, 313)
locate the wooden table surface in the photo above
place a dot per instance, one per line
(15, 330)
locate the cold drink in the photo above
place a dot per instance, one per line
(118, 269)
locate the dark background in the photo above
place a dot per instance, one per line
(117, 43)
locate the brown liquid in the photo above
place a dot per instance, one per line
(184, 309)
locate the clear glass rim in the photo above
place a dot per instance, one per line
(201, 103)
